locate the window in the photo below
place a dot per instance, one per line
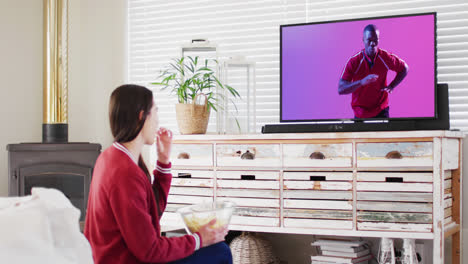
(250, 28)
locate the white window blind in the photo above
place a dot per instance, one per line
(250, 28)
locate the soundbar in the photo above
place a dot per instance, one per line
(339, 127)
(442, 122)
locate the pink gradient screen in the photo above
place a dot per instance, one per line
(313, 57)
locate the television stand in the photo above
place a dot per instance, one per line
(404, 184)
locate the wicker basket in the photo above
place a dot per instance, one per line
(251, 248)
(193, 118)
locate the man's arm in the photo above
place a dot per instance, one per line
(397, 80)
(347, 87)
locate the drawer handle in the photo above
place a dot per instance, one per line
(184, 175)
(183, 155)
(248, 155)
(393, 179)
(318, 178)
(317, 155)
(248, 177)
(394, 155)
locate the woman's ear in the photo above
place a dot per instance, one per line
(140, 116)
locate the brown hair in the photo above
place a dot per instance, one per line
(126, 103)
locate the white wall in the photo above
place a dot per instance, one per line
(96, 62)
(97, 66)
(21, 77)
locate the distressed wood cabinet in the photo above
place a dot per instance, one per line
(367, 184)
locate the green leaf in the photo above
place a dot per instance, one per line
(234, 104)
(193, 61)
(211, 105)
(206, 69)
(177, 68)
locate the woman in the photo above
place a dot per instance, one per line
(124, 208)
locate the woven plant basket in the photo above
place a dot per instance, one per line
(193, 118)
(251, 248)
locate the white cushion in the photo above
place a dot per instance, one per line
(41, 228)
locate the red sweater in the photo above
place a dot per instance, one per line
(122, 222)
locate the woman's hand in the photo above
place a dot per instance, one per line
(210, 235)
(164, 145)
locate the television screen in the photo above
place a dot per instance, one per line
(361, 69)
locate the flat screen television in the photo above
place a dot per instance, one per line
(323, 66)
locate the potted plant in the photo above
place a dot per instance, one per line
(189, 78)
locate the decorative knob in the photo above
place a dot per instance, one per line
(317, 155)
(394, 155)
(183, 155)
(248, 155)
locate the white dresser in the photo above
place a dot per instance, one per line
(367, 184)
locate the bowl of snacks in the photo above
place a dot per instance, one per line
(198, 215)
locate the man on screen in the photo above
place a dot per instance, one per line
(365, 76)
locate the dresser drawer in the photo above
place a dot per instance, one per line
(389, 177)
(398, 227)
(248, 179)
(255, 193)
(394, 181)
(192, 174)
(190, 187)
(192, 183)
(238, 222)
(318, 181)
(260, 155)
(192, 178)
(192, 155)
(318, 224)
(187, 187)
(394, 201)
(317, 155)
(417, 155)
(318, 199)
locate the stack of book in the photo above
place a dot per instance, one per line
(342, 251)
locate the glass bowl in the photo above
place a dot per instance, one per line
(195, 216)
